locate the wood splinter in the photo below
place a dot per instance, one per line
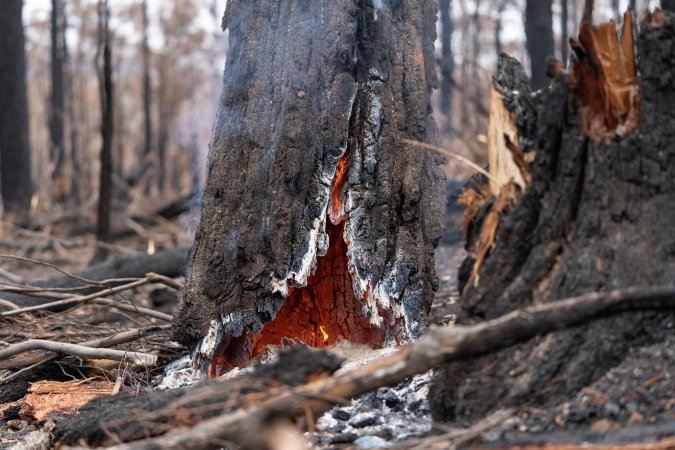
(604, 79)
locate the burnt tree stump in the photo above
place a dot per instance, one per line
(598, 215)
(317, 222)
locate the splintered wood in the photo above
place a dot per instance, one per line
(509, 174)
(502, 134)
(48, 397)
(604, 79)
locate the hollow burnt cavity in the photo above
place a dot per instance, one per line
(323, 311)
(310, 192)
(318, 314)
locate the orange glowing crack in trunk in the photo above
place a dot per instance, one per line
(317, 314)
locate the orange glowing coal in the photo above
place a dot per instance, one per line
(318, 314)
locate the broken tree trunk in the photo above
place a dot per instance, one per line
(316, 219)
(597, 215)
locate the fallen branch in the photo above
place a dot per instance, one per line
(81, 351)
(438, 346)
(168, 263)
(78, 298)
(32, 362)
(8, 304)
(450, 154)
(455, 437)
(96, 297)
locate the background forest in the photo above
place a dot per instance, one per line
(132, 86)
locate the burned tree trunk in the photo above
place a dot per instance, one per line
(597, 215)
(317, 222)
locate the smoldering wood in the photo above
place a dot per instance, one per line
(595, 216)
(267, 402)
(170, 263)
(304, 82)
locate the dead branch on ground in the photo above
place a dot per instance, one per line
(108, 341)
(438, 346)
(96, 297)
(81, 351)
(168, 263)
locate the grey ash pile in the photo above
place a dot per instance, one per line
(380, 418)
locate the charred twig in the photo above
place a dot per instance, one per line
(8, 304)
(97, 299)
(446, 152)
(440, 345)
(81, 351)
(168, 263)
(452, 438)
(108, 341)
(51, 266)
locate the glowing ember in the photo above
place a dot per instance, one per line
(320, 313)
(322, 329)
(336, 212)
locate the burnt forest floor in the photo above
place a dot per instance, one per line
(633, 400)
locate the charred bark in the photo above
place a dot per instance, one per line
(595, 217)
(306, 143)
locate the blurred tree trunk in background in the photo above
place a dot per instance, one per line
(501, 6)
(668, 5)
(539, 35)
(588, 12)
(107, 114)
(56, 101)
(163, 126)
(15, 163)
(447, 63)
(564, 30)
(475, 73)
(147, 93)
(69, 77)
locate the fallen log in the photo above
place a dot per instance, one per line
(438, 346)
(169, 263)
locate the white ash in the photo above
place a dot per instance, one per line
(178, 374)
(379, 418)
